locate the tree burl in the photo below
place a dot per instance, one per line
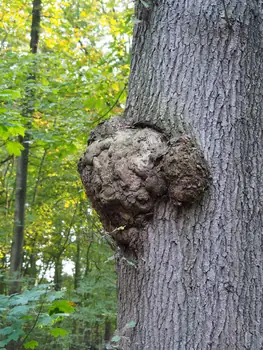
(125, 170)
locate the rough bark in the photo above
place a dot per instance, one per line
(197, 280)
(22, 163)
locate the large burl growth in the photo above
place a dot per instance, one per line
(125, 170)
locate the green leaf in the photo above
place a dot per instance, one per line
(55, 295)
(12, 336)
(32, 344)
(17, 300)
(6, 330)
(131, 324)
(61, 307)
(45, 320)
(16, 130)
(36, 293)
(56, 332)
(14, 148)
(116, 338)
(9, 94)
(19, 310)
(3, 343)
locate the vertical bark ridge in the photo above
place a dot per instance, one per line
(202, 268)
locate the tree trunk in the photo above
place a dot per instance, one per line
(197, 69)
(30, 270)
(3, 268)
(22, 164)
(107, 331)
(77, 274)
(58, 273)
(20, 200)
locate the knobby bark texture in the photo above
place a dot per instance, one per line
(22, 163)
(194, 278)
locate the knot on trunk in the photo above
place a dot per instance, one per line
(126, 170)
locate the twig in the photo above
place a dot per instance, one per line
(35, 322)
(38, 176)
(114, 104)
(6, 160)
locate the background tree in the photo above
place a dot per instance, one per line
(81, 72)
(22, 160)
(196, 277)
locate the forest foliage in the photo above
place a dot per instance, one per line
(68, 281)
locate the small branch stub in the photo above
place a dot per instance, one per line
(126, 170)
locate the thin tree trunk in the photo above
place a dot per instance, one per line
(40, 169)
(107, 331)
(31, 268)
(3, 267)
(77, 275)
(20, 200)
(87, 262)
(58, 273)
(22, 165)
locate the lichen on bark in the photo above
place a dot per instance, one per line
(126, 170)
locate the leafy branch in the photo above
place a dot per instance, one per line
(35, 322)
(113, 105)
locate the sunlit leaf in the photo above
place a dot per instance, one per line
(32, 344)
(58, 332)
(14, 148)
(61, 307)
(6, 95)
